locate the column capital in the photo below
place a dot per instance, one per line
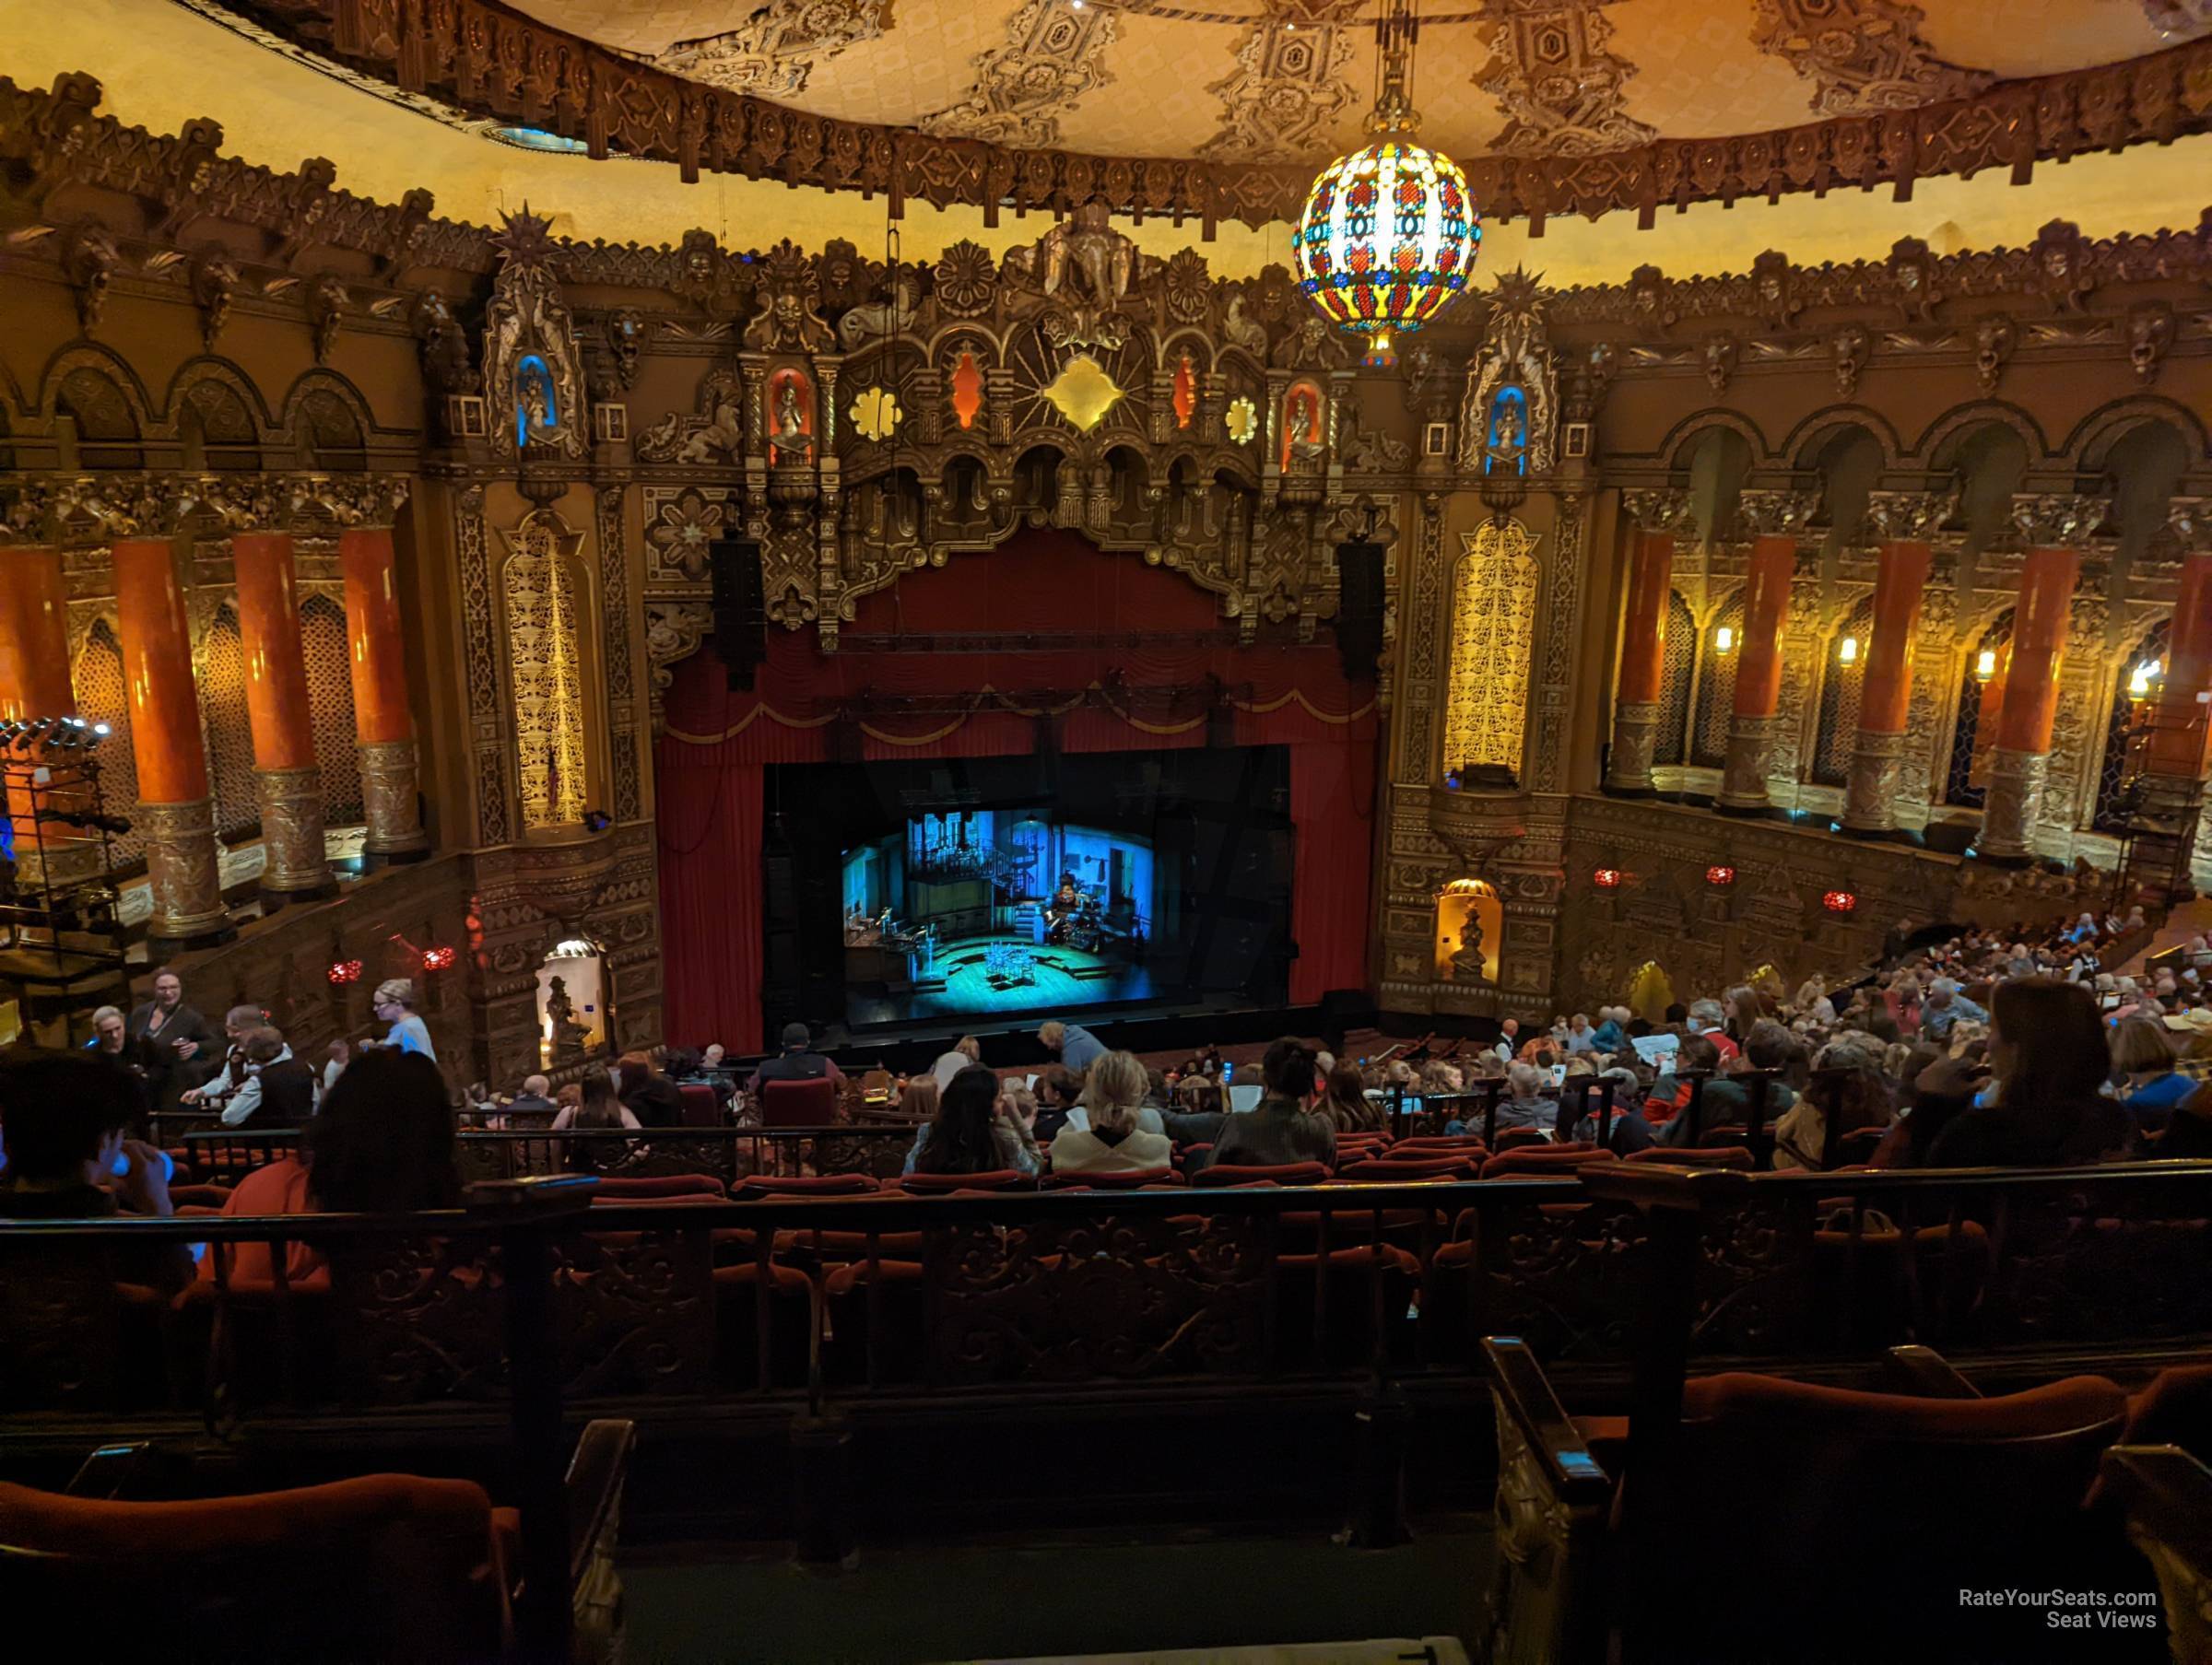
(357, 502)
(1901, 517)
(2190, 521)
(2058, 519)
(124, 506)
(1659, 512)
(250, 502)
(1764, 511)
(26, 512)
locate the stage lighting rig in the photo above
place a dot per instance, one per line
(85, 820)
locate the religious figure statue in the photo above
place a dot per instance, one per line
(1467, 963)
(1506, 447)
(570, 1037)
(789, 442)
(1306, 445)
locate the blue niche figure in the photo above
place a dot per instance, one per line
(535, 408)
(1506, 447)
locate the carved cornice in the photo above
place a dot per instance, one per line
(2190, 521)
(78, 509)
(1657, 511)
(2058, 519)
(486, 61)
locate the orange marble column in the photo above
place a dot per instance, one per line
(2174, 762)
(34, 682)
(382, 720)
(2019, 760)
(174, 813)
(1654, 515)
(286, 777)
(1777, 521)
(1902, 521)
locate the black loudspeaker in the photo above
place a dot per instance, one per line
(1359, 609)
(740, 608)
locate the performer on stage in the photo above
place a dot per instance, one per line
(1062, 911)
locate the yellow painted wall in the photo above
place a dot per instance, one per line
(162, 64)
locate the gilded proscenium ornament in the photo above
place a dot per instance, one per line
(390, 770)
(182, 872)
(357, 500)
(1909, 516)
(292, 830)
(1659, 510)
(1763, 511)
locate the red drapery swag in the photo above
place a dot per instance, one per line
(718, 742)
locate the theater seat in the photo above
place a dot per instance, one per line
(1402, 1166)
(1370, 1292)
(1521, 1138)
(382, 1567)
(798, 1103)
(997, 1179)
(701, 1108)
(616, 1189)
(1713, 1156)
(1543, 1162)
(1141, 1179)
(747, 1331)
(804, 1185)
(1281, 1173)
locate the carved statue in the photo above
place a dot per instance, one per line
(570, 1037)
(1516, 350)
(788, 443)
(786, 321)
(530, 356)
(1239, 331)
(1506, 446)
(881, 318)
(725, 434)
(1089, 244)
(1468, 964)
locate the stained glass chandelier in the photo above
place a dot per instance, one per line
(1389, 234)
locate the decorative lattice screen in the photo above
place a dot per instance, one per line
(229, 732)
(330, 698)
(1717, 692)
(1841, 686)
(100, 699)
(1677, 672)
(1965, 775)
(2113, 767)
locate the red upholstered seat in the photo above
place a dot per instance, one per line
(1141, 1179)
(1281, 1173)
(878, 1321)
(798, 1103)
(806, 1185)
(2175, 1410)
(1716, 1156)
(701, 1108)
(1370, 1292)
(1517, 1138)
(997, 1179)
(1543, 1162)
(613, 1189)
(386, 1566)
(1398, 1169)
(743, 1326)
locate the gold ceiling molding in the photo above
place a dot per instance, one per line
(1559, 87)
(1861, 55)
(485, 62)
(776, 50)
(1290, 86)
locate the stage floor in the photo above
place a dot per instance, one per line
(1061, 980)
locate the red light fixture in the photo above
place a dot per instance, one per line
(344, 971)
(439, 958)
(1719, 877)
(1606, 878)
(1840, 901)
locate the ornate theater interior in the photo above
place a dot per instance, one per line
(848, 807)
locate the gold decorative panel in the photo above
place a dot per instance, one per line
(1493, 628)
(542, 589)
(1243, 420)
(875, 414)
(1082, 392)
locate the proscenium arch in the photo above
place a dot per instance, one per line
(90, 354)
(208, 367)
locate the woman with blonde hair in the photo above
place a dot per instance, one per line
(1112, 1140)
(1344, 1103)
(2143, 1057)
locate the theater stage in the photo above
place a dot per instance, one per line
(996, 974)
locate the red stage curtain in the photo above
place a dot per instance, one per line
(710, 945)
(717, 741)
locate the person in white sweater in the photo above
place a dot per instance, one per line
(1112, 1140)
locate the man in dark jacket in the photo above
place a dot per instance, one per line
(798, 1062)
(1280, 1131)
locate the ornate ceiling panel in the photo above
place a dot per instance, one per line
(1230, 78)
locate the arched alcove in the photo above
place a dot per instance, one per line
(1992, 461)
(1469, 921)
(1717, 655)
(1677, 676)
(1980, 697)
(1850, 463)
(571, 1002)
(1841, 680)
(2135, 680)
(100, 415)
(1720, 461)
(330, 704)
(102, 698)
(222, 678)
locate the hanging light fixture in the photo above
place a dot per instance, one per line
(1985, 664)
(1723, 638)
(1389, 234)
(1847, 650)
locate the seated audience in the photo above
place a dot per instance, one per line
(970, 1134)
(796, 1061)
(1345, 1105)
(535, 1099)
(277, 1089)
(1279, 1131)
(596, 1106)
(229, 1075)
(1850, 1087)
(1523, 1106)
(1072, 1044)
(2146, 1060)
(962, 1052)
(918, 1099)
(63, 1117)
(1058, 1093)
(648, 1094)
(2039, 1100)
(1111, 1141)
(382, 1143)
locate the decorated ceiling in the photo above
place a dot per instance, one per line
(1290, 81)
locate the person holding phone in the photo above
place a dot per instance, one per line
(170, 1039)
(63, 1118)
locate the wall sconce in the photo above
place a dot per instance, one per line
(440, 958)
(1985, 664)
(1847, 650)
(1840, 901)
(344, 971)
(1606, 878)
(1723, 638)
(2144, 679)
(1720, 878)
